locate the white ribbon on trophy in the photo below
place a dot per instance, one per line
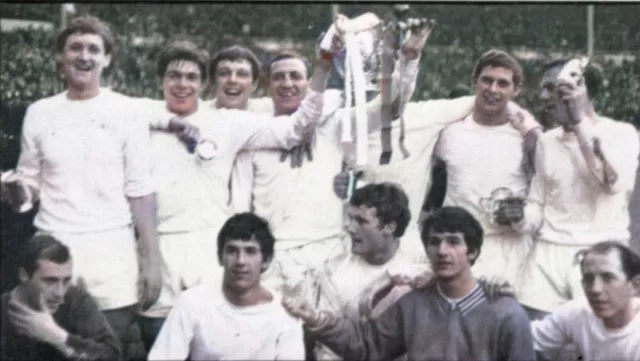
(347, 43)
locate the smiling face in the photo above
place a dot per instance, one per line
(234, 83)
(494, 88)
(606, 286)
(82, 61)
(181, 85)
(243, 263)
(288, 84)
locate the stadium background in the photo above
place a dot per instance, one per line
(534, 33)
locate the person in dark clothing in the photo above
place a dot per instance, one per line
(450, 319)
(46, 318)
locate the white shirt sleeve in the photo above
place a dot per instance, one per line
(174, 340)
(242, 183)
(283, 131)
(290, 343)
(138, 181)
(621, 150)
(533, 211)
(30, 155)
(552, 332)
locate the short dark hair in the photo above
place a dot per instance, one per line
(455, 219)
(247, 227)
(389, 200)
(43, 247)
(183, 50)
(235, 53)
(502, 59)
(630, 260)
(593, 74)
(288, 54)
(87, 24)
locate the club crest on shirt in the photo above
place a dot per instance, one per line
(206, 149)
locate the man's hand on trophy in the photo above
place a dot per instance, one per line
(420, 29)
(510, 211)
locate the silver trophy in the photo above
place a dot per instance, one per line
(498, 198)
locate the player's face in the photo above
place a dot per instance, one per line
(448, 254)
(288, 85)
(82, 60)
(493, 89)
(234, 84)
(554, 110)
(606, 285)
(369, 239)
(243, 264)
(51, 281)
(181, 86)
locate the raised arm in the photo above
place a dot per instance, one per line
(287, 131)
(612, 161)
(405, 74)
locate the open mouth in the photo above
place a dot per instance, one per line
(232, 92)
(492, 100)
(181, 95)
(287, 93)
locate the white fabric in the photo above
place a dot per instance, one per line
(300, 203)
(480, 159)
(566, 204)
(574, 322)
(189, 259)
(296, 265)
(354, 76)
(193, 194)
(423, 122)
(105, 263)
(203, 325)
(343, 284)
(83, 158)
(550, 276)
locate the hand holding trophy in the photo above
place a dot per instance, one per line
(504, 207)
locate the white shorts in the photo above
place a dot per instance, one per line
(105, 263)
(503, 256)
(291, 266)
(189, 259)
(551, 276)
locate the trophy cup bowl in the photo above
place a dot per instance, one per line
(367, 29)
(499, 197)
